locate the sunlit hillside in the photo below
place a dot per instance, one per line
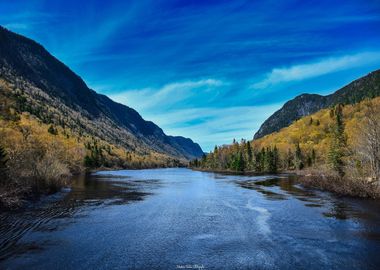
(315, 131)
(24, 114)
(339, 146)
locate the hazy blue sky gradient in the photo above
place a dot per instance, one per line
(209, 70)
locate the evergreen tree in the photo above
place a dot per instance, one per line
(313, 156)
(289, 159)
(248, 156)
(258, 161)
(88, 162)
(309, 161)
(298, 158)
(196, 163)
(249, 152)
(261, 161)
(271, 160)
(238, 162)
(276, 159)
(3, 163)
(96, 157)
(203, 161)
(215, 161)
(52, 130)
(338, 143)
(268, 160)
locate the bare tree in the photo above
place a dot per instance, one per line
(369, 144)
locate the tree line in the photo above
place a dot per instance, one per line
(331, 154)
(243, 156)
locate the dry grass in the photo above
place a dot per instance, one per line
(330, 181)
(11, 196)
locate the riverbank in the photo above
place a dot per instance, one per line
(16, 193)
(345, 186)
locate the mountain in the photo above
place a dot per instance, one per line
(48, 89)
(306, 104)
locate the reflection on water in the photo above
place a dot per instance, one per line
(86, 191)
(283, 188)
(256, 185)
(158, 219)
(109, 189)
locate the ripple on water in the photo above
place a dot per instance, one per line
(133, 220)
(86, 192)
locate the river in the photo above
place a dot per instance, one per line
(184, 219)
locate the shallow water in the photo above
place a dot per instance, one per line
(178, 219)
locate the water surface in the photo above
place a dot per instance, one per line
(178, 218)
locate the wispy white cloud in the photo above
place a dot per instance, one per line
(207, 124)
(169, 95)
(316, 69)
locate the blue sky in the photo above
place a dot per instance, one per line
(209, 70)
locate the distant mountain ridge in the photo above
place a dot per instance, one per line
(47, 81)
(306, 104)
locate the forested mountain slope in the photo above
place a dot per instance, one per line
(306, 104)
(37, 83)
(338, 147)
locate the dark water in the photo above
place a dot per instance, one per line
(178, 219)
